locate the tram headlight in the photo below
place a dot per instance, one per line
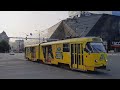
(96, 60)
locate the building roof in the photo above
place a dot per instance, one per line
(73, 27)
(82, 25)
(100, 25)
(52, 29)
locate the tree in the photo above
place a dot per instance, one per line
(4, 46)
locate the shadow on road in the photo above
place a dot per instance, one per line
(97, 73)
(105, 74)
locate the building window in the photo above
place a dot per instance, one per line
(66, 47)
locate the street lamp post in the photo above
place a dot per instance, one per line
(39, 34)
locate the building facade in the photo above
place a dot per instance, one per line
(79, 13)
(17, 46)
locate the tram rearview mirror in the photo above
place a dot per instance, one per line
(86, 50)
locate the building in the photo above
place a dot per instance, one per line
(78, 13)
(106, 26)
(17, 46)
(3, 36)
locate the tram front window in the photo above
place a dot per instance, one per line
(97, 47)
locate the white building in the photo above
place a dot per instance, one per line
(17, 46)
(101, 12)
(87, 13)
(74, 13)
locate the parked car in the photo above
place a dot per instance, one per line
(12, 53)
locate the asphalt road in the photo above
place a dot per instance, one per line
(16, 67)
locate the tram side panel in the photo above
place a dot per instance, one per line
(37, 53)
(88, 59)
(57, 56)
(42, 57)
(61, 55)
(55, 59)
(28, 54)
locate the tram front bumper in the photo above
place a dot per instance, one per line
(102, 68)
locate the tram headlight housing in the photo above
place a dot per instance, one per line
(96, 60)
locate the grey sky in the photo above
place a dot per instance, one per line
(17, 23)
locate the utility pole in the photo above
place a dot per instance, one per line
(39, 44)
(19, 45)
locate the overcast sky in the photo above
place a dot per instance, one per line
(17, 23)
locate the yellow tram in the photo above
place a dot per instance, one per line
(86, 54)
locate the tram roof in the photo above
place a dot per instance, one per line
(65, 41)
(70, 40)
(32, 45)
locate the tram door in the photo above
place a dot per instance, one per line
(45, 53)
(33, 53)
(76, 55)
(48, 53)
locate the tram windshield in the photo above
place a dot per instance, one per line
(95, 47)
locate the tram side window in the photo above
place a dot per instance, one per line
(66, 47)
(28, 50)
(32, 49)
(44, 51)
(50, 51)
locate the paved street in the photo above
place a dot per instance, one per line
(16, 67)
